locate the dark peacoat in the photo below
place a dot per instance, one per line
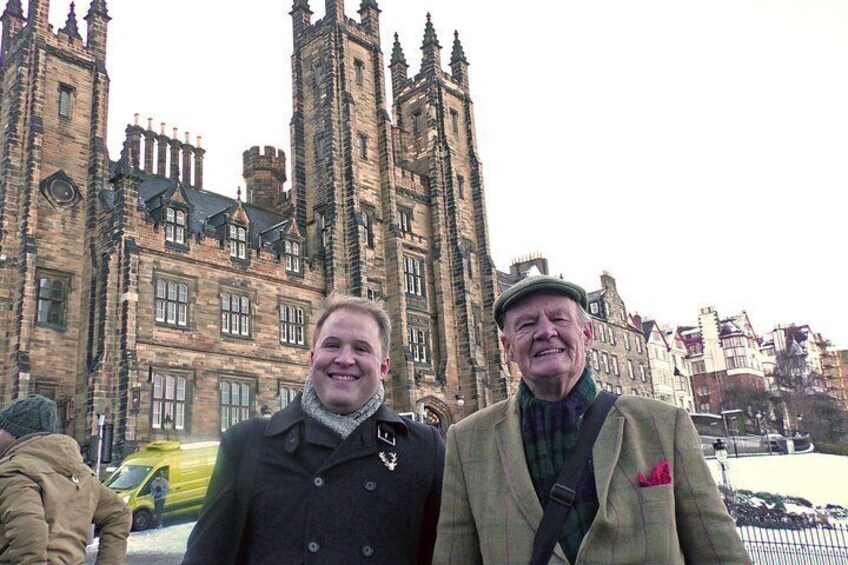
(315, 498)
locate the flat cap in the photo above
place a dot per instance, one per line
(532, 285)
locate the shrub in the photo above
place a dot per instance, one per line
(832, 448)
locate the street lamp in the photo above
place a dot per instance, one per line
(460, 399)
(798, 419)
(721, 456)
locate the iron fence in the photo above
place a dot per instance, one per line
(794, 542)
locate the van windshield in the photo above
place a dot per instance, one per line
(128, 477)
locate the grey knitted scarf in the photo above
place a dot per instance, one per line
(341, 424)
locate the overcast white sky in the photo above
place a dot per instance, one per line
(696, 150)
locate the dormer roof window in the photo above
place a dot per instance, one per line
(292, 253)
(175, 225)
(238, 242)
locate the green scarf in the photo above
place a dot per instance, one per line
(550, 431)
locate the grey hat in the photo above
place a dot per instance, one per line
(29, 415)
(531, 285)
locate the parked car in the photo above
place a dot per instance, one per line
(712, 427)
(188, 468)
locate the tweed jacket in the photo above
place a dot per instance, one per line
(490, 510)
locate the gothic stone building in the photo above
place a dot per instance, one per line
(129, 289)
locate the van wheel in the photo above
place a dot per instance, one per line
(142, 520)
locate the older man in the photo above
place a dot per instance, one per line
(645, 495)
(335, 477)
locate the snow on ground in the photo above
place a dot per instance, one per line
(168, 541)
(815, 476)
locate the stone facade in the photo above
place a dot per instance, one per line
(619, 355)
(129, 289)
(723, 353)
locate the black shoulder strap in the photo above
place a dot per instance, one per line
(563, 491)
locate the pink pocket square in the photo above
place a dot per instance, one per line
(661, 475)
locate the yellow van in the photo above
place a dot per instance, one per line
(188, 468)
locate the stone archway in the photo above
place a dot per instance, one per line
(436, 413)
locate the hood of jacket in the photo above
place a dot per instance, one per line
(45, 452)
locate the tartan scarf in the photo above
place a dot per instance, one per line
(550, 431)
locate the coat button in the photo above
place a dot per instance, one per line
(367, 551)
(313, 547)
(370, 486)
(318, 482)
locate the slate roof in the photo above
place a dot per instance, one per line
(506, 280)
(647, 328)
(595, 294)
(204, 204)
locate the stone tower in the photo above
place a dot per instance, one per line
(435, 113)
(53, 165)
(397, 210)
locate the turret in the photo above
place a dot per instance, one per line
(399, 68)
(71, 28)
(13, 20)
(301, 17)
(37, 14)
(98, 22)
(369, 14)
(335, 10)
(458, 63)
(431, 51)
(264, 176)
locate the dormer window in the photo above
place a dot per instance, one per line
(175, 226)
(238, 242)
(292, 256)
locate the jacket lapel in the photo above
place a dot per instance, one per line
(605, 455)
(511, 450)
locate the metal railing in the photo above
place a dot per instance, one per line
(800, 541)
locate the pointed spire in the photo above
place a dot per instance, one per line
(430, 34)
(368, 4)
(397, 52)
(301, 5)
(71, 23)
(13, 8)
(238, 195)
(458, 54)
(125, 165)
(98, 8)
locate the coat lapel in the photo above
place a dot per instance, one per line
(511, 450)
(605, 455)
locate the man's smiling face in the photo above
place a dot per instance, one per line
(547, 338)
(348, 362)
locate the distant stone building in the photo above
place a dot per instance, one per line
(619, 355)
(723, 353)
(682, 371)
(660, 362)
(796, 354)
(130, 288)
(835, 372)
